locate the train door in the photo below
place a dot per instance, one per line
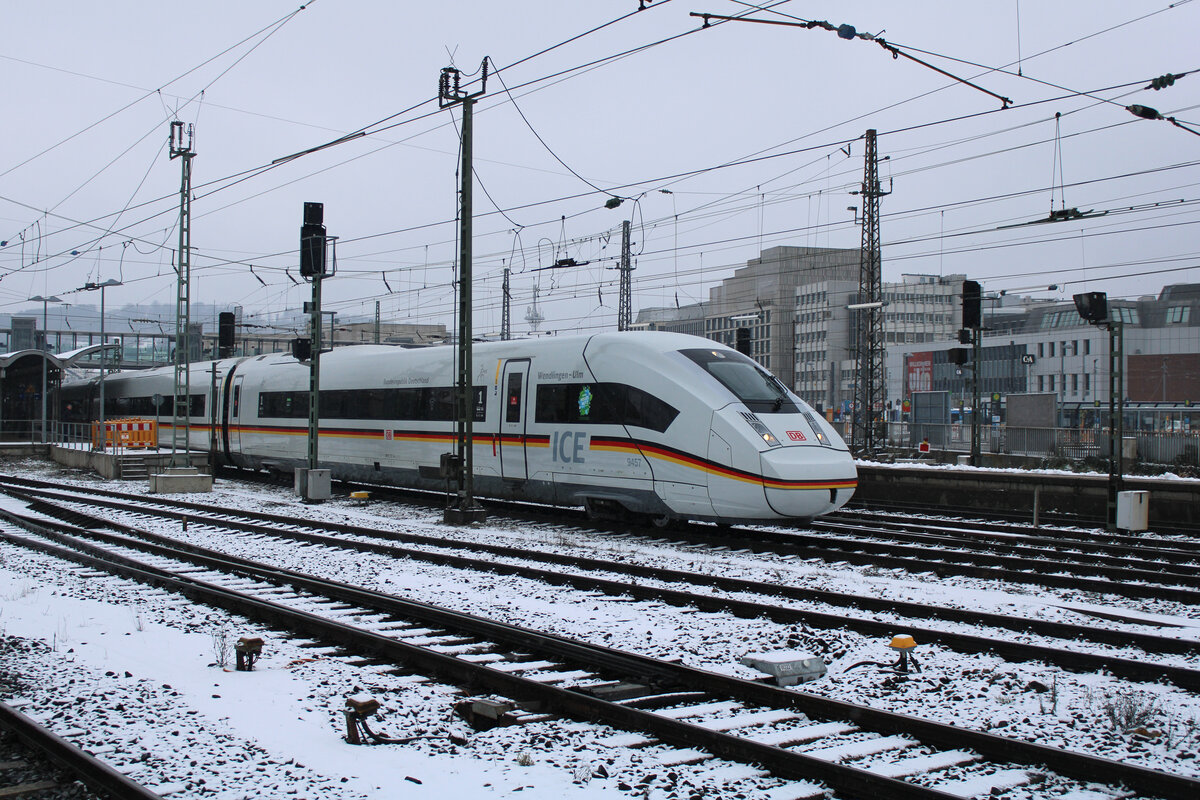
(234, 428)
(514, 382)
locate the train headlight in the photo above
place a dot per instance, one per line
(761, 430)
(812, 423)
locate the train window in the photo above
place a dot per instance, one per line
(287, 405)
(602, 404)
(424, 404)
(761, 391)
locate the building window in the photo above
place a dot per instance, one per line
(1051, 348)
(1041, 350)
(1041, 383)
(1178, 315)
(1074, 383)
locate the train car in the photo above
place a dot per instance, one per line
(659, 425)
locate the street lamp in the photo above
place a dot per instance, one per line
(44, 301)
(92, 286)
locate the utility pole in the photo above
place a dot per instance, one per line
(625, 301)
(1116, 415)
(870, 390)
(462, 464)
(314, 267)
(180, 422)
(506, 309)
(376, 322)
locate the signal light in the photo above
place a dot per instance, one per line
(302, 349)
(959, 355)
(743, 341)
(312, 241)
(964, 336)
(225, 322)
(972, 304)
(1092, 306)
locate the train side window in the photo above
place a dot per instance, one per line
(237, 400)
(512, 401)
(602, 404)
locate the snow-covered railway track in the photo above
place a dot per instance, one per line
(1145, 574)
(1154, 546)
(51, 763)
(856, 750)
(1142, 580)
(1055, 650)
(1174, 558)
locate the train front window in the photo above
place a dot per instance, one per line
(761, 391)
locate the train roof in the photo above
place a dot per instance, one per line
(352, 356)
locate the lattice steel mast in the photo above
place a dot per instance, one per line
(625, 300)
(183, 305)
(870, 388)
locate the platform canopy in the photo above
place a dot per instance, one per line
(59, 360)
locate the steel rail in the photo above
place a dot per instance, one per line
(970, 534)
(93, 772)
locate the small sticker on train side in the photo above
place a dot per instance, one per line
(388, 434)
(796, 436)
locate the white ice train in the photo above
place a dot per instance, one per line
(653, 424)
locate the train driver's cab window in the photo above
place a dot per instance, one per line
(761, 391)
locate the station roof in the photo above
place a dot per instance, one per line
(60, 360)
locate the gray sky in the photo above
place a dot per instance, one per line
(91, 89)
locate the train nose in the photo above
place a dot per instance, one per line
(807, 481)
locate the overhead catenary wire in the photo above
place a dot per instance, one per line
(682, 215)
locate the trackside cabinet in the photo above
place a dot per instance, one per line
(1133, 511)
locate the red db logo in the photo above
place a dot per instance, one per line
(795, 436)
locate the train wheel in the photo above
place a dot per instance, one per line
(661, 521)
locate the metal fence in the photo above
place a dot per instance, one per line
(73, 435)
(1154, 447)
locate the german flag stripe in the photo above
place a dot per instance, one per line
(674, 456)
(597, 443)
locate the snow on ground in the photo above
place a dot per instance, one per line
(280, 727)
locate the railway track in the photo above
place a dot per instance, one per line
(1134, 578)
(37, 762)
(1141, 572)
(990, 534)
(1012, 517)
(853, 749)
(591, 575)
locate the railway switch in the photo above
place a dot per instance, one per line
(482, 714)
(787, 667)
(358, 709)
(248, 649)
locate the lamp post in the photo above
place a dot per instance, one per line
(44, 301)
(92, 286)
